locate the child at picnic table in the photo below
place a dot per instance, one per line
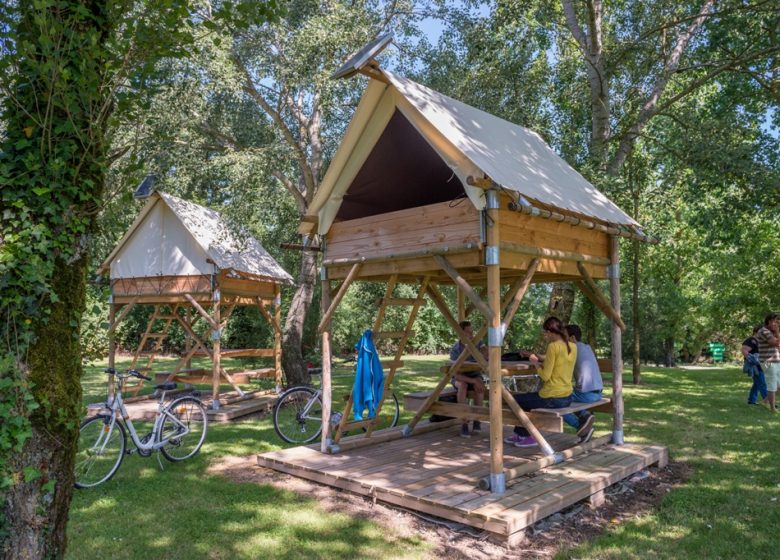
(463, 381)
(556, 371)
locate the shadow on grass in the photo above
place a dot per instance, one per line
(209, 518)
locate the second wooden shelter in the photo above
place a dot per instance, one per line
(182, 259)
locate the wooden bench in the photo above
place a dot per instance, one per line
(603, 405)
(414, 401)
(547, 419)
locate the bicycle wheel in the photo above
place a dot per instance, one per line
(190, 416)
(388, 416)
(298, 415)
(100, 452)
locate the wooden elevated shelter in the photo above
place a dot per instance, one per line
(428, 191)
(181, 259)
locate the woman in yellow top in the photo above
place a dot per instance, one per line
(556, 373)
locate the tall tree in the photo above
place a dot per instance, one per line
(275, 77)
(612, 70)
(66, 68)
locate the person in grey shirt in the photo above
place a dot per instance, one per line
(587, 385)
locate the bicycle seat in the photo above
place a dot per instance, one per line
(167, 386)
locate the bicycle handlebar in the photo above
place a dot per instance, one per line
(130, 373)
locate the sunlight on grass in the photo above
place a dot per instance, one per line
(723, 511)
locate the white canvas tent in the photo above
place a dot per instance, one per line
(470, 142)
(175, 237)
(184, 260)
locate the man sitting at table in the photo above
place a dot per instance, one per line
(587, 385)
(471, 380)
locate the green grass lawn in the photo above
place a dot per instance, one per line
(729, 508)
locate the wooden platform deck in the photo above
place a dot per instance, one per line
(437, 473)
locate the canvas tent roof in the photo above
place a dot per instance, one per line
(471, 142)
(172, 236)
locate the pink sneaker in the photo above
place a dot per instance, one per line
(526, 442)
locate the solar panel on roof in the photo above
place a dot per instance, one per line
(146, 188)
(358, 60)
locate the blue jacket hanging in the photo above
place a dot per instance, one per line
(752, 366)
(369, 378)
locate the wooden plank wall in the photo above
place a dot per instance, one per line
(533, 231)
(434, 226)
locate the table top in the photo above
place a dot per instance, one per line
(507, 368)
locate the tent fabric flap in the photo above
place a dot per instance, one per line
(513, 156)
(175, 237)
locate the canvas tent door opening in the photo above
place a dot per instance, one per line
(181, 260)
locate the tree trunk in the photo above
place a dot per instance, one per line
(591, 321)
(36, 511)
(292, 338)
(560, 305)
(669, 352)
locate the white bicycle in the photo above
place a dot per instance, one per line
(178, 433)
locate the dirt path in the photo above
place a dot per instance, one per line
(625, 500)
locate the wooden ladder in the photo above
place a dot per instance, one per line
(391, 366)
(158, 338)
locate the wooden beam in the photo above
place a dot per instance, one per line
(463, 285)
(548, 461)
(335, 303)
(216, 358)
(268, 317)
(277, 324)
(509, 399)
(555, 254)
(519, 294)
(327, 391)
(439, 301)
(122, 314)
(454, 368)
(527, 208)
(380, 314)
(592, 292)
(468, 248)
(617, 341)
(202, 312)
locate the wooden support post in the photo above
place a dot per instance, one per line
(327, 392)
(461, 282)
(216, 359)
(278, 337)
(617, 342)
(461, 304)
(336, 300)
(591, 290)
(495, 342)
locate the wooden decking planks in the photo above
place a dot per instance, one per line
(437, 473)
